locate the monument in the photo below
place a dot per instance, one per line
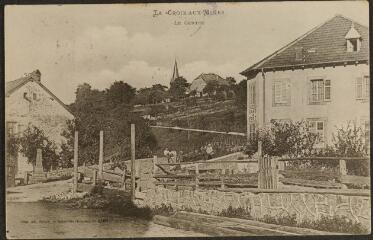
(38, 174)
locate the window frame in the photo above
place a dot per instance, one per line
(326, 86)
(323, 143)
(285, 92)
(364, 93)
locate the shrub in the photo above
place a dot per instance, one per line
(239, 212)
(164, 210)
(292, 139)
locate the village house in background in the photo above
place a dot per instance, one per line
(29, 103)
(321, 77)
(199, 84)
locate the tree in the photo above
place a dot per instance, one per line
(178, 88)
(231, 80)
(120, 92)
(34, 138)
(241, 94)
(210, 88)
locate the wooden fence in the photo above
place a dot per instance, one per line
(267, 176)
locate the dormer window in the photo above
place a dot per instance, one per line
(353, 39)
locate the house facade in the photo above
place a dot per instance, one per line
(29, 103)
(322, 78)
(203, 79)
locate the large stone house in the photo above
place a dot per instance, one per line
(29, 102)
(203, 79)
(321, 77)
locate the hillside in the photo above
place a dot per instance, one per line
(202, 114)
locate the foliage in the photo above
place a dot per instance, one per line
(119, 93)
(231, 80)
(34, 138)
(339, 224)
(239, 212)
(348, 141)
(12, 145)
(210, 88)
(178, 88)
(291, 139)
(163, 210)
(100, 110)
(241, 94)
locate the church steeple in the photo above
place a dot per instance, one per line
(175, 73)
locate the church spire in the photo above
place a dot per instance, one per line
(175, 73)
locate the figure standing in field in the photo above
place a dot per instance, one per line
(167, 154)
(209, 151)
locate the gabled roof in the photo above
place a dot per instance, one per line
(325, 44)
(212, 77)
(12, 86)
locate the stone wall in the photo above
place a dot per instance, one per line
(306, 206)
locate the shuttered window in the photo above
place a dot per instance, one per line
(320, 90)
(281, 92)
(362, 87)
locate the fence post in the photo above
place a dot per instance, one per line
(101, 156)
(196, 177)
(342, 167)
(133, 156)
(94, 177)
(155, 159)
(222, 183)
(75, 180)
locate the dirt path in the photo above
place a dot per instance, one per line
(36, 192)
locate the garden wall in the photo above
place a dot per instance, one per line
(306, 205)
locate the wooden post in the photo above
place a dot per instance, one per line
(133, 156)
(260, 165)
(222, 182)
(101, 157)
(196, 177)
(94, 178)
(75, 179)
(155, 159)
(342, 167)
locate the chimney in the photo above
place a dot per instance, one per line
(35, 75)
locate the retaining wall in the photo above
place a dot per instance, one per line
(306, 205)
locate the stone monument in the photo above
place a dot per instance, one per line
(38, 174)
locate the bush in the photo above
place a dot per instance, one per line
(339, 224)
(239, 212)
(292, 139)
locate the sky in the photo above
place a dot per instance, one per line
(100, 44)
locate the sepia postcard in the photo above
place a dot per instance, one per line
(187, 120)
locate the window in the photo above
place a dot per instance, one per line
(362, 87)
(252, 93)
(318, 127)
(353, 45)
(281, 92)
(320, 90)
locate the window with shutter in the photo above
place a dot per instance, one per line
(320, 91)
(281, 92)
(362, 87)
